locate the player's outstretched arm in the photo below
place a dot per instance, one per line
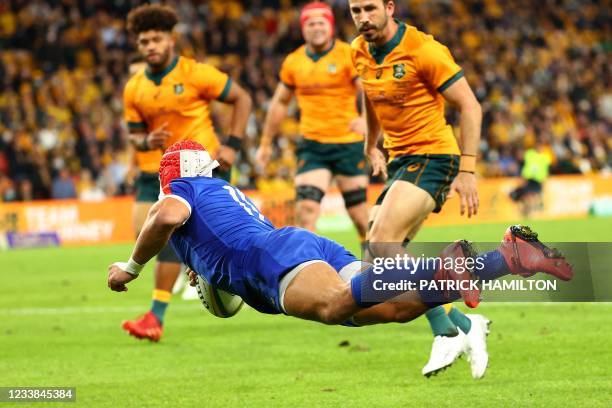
(460, 94)
(164, 217)
(242, 104)
(276, 113)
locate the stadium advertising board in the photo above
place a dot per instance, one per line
(75, 222)
(109, 221)
(562, 197)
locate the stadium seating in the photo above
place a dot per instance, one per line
(63, 66)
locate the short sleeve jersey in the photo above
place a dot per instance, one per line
(179, 96)
(404, 81)
(325, 90)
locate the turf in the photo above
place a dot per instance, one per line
(60, 327)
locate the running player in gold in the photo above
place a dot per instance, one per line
(407, 76)
(166, 102)
(322, 77)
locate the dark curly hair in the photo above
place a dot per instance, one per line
(151, 17)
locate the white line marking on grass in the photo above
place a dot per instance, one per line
(35, 311)
(38, 311)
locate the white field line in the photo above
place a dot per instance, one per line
(194, 306)
(34, 311)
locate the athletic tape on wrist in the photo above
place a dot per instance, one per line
(132, 267)
(467, 164)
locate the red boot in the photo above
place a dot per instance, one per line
(145, 327)
(526, 255)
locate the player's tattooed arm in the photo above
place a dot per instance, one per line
(164, 217)
(242, 104)
(275, 116)
(460, 94)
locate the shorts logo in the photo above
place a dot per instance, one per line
(301, 163)
(413, 167)
(332, 69)
(178, 89)
(361, 165)
(399, 71)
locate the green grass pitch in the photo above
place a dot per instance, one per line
(60, 326)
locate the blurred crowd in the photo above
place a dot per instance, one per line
(542, 74)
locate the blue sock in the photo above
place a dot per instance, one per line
(495, 266)
(366, 292)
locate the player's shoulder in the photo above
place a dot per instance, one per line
(197, 186)
(188, 65)
(342, 46)
(359, 45)
(296, 55)
(135, 81)
(416, 41)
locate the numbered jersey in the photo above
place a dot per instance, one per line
(221, 218)
(229, 242)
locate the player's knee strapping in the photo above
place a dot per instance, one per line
(309, 193)
(355, 197)
(167, 254)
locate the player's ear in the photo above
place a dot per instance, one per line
(390, 7)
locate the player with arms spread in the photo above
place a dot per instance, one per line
(166, 102)
(220, 234)
(322, 77)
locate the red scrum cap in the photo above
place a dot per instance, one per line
(184, 159)
(317, 9)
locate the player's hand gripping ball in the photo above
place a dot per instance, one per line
(218, 302)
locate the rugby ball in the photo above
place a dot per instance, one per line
(218, 302)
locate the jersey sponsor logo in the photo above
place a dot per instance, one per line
(380, 97)
(399, 70)
(179, 89)
(392, 99)
(379, 72)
